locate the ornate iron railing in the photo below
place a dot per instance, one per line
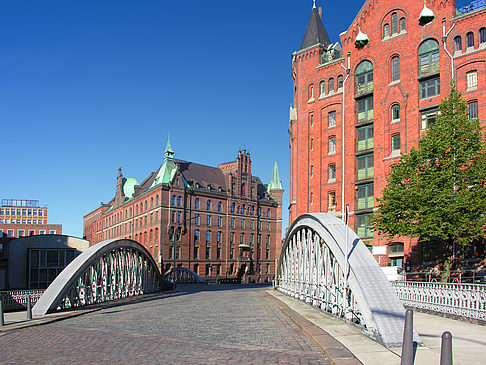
(462, 300)
(109, 270)
(17, 299)
(343, 279)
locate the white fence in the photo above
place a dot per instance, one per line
(462, 300)
(17, 299)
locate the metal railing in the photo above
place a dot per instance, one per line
(457, 299)
(17, 299)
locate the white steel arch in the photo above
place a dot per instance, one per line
(109, 270)
(312, 266)
(183, 275)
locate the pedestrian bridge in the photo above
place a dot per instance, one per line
(325, 264)
(110, 270)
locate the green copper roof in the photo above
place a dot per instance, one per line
(129, 187)
(168, 170)
(275, 184)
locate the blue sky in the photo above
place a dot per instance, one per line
(89, 86)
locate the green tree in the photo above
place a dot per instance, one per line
(439, 189)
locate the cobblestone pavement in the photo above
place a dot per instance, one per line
(217, 325)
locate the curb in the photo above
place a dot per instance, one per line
(332, 349)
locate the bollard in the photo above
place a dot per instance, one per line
(2, 322)
(407, 345)
(446, 349)
(29, 308)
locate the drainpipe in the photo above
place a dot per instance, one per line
(444, 40)
(348, 72)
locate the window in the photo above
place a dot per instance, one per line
(364, 77)
(208, 252)
(178, 201)
(470, 39)
(458, 43)
(242, 237)
(403, 25)
(395, 68)
(340, 82)
(178, 217)
(311, 92)
(394, 23)
(395, 143)
(365, 168)
(332, 173)
(311, 198)
(364, 196)
(312, 144)
(429, 57)
(218, 237)
(196, 203)
(208, 205)
(364, 109)
(232, 223)
(473, 109)
(312, 171)
(268, 226)
(331, 119)
(482, 35)
(242, 223)
(196, 219)
(331, 197)
(219, 206)
(429, 88)
(208, 236)
(364, 227)
(386, 30)
(364, 140)
(395, 113)
(322, 88)
(233, 208)
(252, 223)
(232, 237)
(219, 221)
(208, 220)
(332, 145)
(331, 85)
(472, 80)
(427, 118)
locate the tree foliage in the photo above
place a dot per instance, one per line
(439, 189)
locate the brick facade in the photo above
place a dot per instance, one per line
(386, 106)
(222, 220)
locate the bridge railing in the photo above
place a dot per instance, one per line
(457, 299)
(17, 299)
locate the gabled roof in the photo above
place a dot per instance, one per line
(203, 174)
(315, 32)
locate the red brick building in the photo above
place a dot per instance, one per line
(22, 218)
(218, 221)
(362, 101)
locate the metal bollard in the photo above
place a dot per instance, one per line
(29, 308)
(446, 349)
(2, 322)
(407, 345)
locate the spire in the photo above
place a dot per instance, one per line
(275, 184)
(315, 32)
(169, 153)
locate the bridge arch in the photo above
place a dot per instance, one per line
(312, 269)
(109, 270)
(182, 275)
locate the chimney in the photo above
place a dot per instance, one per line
(319, 10)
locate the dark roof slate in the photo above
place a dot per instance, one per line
(315, 32)
(203, 174)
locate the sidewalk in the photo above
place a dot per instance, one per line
(468, 340)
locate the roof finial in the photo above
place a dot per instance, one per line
(314, 5)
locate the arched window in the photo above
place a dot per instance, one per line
(218, 237)
(208, 236)
(219, 206)
(322, 88)
(428, 54)
(151, 202)
(340, 82)
(268, 213)
(394, 23)
(136, 209)
(151, 236)
(395, 113)
(233, 208)
(208, 205)
(311, 92)
(196, 235)
(458, 43)
(331, 85)
(145, 205)
(386, 30)
(402, 25)
(395, 68)
(173, 200)
(196, 203)
(364, 77)
(145, 237)
(156, 235)
(178, 201)
(470, 39)
(482, 35)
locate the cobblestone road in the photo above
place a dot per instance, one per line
(220, 325)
